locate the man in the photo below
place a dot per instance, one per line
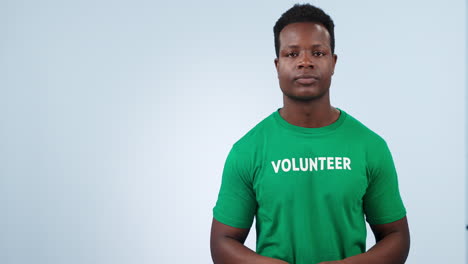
(310, 173)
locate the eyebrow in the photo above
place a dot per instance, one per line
(297, 46)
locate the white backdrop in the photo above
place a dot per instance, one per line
(116, 118)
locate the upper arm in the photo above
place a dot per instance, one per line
(236, 204)
(220, 230)
(382, 230)
(382, 202)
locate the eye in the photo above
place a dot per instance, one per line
(292, 54)
(318, 53)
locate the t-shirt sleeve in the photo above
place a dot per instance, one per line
(236, 204)
(382, 201)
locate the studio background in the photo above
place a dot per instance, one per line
(117, 116)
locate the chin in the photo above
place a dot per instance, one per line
(304, 97)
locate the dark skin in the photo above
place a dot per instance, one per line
(305, 52)
(227, 246)
(305, 67)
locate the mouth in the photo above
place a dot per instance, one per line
(306, 79)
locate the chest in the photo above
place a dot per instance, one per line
(311, 173)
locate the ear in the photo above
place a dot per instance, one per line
(276, 64)
(335, 59)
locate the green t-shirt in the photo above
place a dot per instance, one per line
(310, 189)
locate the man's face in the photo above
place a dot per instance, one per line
(305, 63)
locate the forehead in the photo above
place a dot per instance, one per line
(304, 33)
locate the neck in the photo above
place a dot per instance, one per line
(310, 114)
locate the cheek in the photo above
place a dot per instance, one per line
(282, 72)
(327, 67)
(283, 78)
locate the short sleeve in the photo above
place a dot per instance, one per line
(236, 204)
(382, 201)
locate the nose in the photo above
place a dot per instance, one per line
(305, 61)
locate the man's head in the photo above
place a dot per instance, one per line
(304, 13)
(304, 43)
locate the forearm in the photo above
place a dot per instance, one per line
(392, 249)
(227, 250)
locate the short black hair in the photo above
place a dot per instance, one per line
(304, 13)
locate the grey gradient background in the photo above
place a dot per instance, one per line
(117, 116)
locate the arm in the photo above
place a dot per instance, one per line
(227, 246)
(392, 247)
(382, 199)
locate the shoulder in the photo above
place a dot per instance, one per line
(375, 147)
(248, 150)
(358, 131)
(255, 137)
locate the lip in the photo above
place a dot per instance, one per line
(306, 79)
(306, 76)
